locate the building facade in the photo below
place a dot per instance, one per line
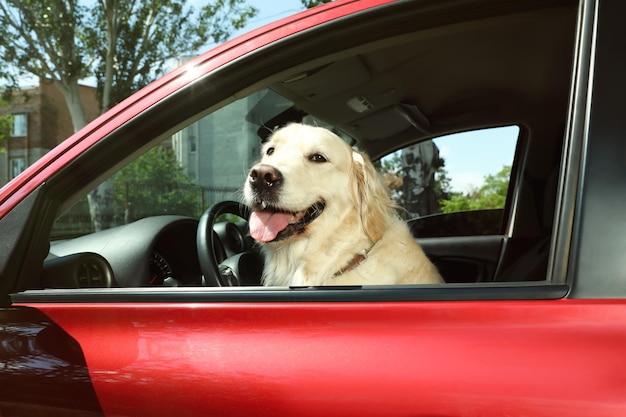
(207, 148)
(41, 120)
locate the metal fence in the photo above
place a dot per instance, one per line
(139, 200)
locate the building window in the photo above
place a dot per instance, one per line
(19, 125)
(16, 166)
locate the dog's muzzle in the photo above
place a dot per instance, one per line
(269, 221)
(272, 224)
(265, 181)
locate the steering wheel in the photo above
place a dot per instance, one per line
(232, 271)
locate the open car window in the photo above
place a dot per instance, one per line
(477, 225)
(198, 166)
(454, 185)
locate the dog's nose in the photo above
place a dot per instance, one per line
(264, 176)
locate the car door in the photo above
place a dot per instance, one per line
(281, 356)
(528, 347)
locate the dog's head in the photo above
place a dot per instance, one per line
(307, 174)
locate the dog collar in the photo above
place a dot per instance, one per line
(354, 262)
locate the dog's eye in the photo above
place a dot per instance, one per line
(317, 157)
(269, 151)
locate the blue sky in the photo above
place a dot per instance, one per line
(470, 156)
(271, 10)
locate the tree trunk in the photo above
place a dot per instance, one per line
(111, 13)
(101, 206)
(101, 198)
(71, 92)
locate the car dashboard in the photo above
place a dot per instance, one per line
(154, 251)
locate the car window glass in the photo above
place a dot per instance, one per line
(453, 185)
(449, 186)
(200, 165)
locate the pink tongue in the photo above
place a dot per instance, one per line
(264, 226)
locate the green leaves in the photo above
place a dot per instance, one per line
(143, 36)
(123, 44)
(490, 195)
(312, 3)
(219, 18)
(6, 121)
(152, 185)
(40, 37)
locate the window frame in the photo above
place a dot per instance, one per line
(17, 164)
(19, 127)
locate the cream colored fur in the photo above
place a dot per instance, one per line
(358, 216)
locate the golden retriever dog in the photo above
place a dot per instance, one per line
(323, 216)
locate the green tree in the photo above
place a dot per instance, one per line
(396, 173)
(490, 195)
(124, 44)
(154, 184)
(6, 122)
(443, 185)
(41, 39)
(141, 37)
(312, 3)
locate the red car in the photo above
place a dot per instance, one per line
(154, 308)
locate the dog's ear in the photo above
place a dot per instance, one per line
(374, 202)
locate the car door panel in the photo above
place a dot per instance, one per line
(33, 352)
(470, 358)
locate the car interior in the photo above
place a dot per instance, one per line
(384, 87)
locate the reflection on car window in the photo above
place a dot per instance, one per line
(455, 185)
(207, 161)
(199, 165)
